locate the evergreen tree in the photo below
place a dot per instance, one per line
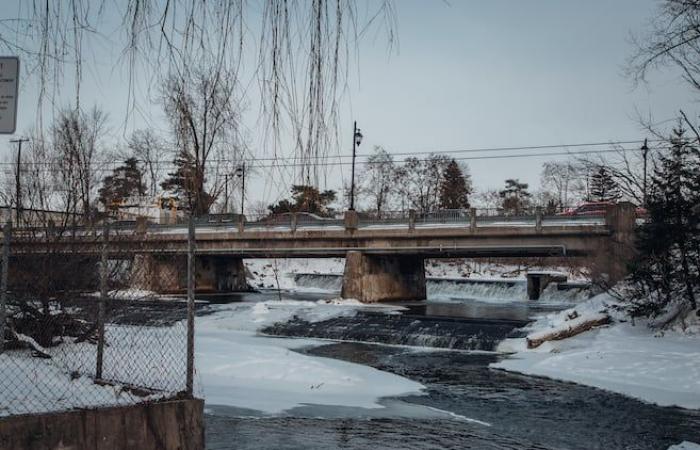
(515, 197)
(185, 185)
(306, 199)
(125, 181)
(665, 273)
(603, 186)
(454, 188)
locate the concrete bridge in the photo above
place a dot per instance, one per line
(384, 261)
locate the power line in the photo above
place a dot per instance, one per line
(367, 162)
(324, 162)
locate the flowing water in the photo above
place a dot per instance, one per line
(465, 404)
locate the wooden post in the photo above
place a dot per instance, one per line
(104, 271)
(189, 387)
(7, 233)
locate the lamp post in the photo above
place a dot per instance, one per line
(645, 152)
(356, 141)
(240, 172)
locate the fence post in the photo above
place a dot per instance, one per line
(7, 233)
(190, 306)
(104, 272)
(472, 219)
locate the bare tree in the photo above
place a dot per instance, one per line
(420, 181)
(304, 49)
(204, 117)
(377, 179)
(150, 150)
(673, 40)
(625, 167)
(77, 145)
(564, 179)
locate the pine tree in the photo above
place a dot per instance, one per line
(604, 188)
(125, 181)
(454, 188)
(665, 272)
(515, 197)
(187, 185)
(306, 199)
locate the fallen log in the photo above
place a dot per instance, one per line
(567, 329)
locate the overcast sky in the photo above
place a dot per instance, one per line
(475, 74)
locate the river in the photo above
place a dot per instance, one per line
(447, 344)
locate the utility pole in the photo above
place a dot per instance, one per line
(645, 153)
(18, 188)
(356, 141)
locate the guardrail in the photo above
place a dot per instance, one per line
(469, 218)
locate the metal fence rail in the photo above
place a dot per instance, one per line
(91, 331)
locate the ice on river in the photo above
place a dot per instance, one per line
(238, 368)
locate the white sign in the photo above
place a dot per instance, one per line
(9, 83)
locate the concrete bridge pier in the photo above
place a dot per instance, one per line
(163, 274)
(378, 278)
(220, 274)
(168, 274)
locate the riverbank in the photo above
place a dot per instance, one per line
(633, 359)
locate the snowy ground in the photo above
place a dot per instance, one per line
(238, 368)
(634, 360)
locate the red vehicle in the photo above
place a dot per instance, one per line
(596, 209)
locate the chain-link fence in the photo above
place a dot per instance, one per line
(93, 317)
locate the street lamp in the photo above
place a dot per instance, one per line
(645, 152)
(240, 172)
(356, 141)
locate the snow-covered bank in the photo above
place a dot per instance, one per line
(239, 368)
(685, 445)
(632, 360)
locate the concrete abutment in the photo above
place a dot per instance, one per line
(378, 278)
(168, 274)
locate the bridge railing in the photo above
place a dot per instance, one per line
(373, 218)
(444, 216)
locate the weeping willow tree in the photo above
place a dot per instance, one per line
(299, 52)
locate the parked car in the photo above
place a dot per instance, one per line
(596, 209)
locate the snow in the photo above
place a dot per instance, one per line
(567, 325)
(65, 381)
(239, 368)
(39, 385)
(262, 271)
(629, 359)
(685, 445)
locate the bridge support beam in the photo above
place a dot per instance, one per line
(378, 278)
(163, 274)
(610, 263)
(168, 274)
(220, 274)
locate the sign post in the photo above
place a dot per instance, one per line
(9, 83)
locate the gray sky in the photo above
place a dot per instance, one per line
(473, 74)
